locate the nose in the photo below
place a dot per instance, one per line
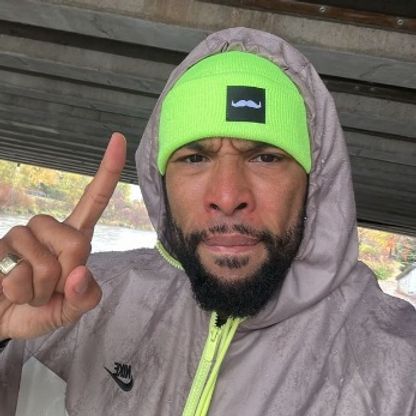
(229, 191)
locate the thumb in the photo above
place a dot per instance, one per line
(81, 294)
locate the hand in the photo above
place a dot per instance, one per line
(51, 287)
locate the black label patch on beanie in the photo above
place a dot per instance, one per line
(246, 104)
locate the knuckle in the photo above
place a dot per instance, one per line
(46, 276)
(47, 269)
(16, 233)
(78, 245)
(40, 220)
(98, 197)
(17, 293)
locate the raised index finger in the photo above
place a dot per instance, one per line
(98, 193)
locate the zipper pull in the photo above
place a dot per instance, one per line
(213, 340)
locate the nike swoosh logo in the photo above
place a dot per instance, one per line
(124, 386)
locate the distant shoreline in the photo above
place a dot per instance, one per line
(19, 202)
(106, 237)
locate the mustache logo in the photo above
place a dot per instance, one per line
(246, 103)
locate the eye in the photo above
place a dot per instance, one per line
(268, 158)
(193, 158)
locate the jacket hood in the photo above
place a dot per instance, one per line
(329, 249)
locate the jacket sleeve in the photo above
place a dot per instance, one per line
(11, 363)
(52, 352)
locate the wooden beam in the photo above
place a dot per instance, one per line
(376, 115)
(370, 89)
(77, 146)
(325, 12)
(60, 158)
(393, 149)
(140, 83)
(392, 8)
(383, 175)
(82, 96)
(125, 30)
(350, 65)
(99, 24)
(40, 120)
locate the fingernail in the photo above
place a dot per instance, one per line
(82, 286)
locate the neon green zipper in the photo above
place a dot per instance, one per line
(216, 346)
(164, 253)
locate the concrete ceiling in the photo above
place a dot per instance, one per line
(71, 72)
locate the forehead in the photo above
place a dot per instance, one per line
(216, 143)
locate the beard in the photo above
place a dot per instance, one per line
(239, 297)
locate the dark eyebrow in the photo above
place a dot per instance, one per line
(251, 146)
(197, 146)
(255, 146)
(205, 146)
(260, 145)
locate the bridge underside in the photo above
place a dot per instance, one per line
(69, 76)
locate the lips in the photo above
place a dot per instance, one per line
(230, 240)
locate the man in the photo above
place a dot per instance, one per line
(254, 302)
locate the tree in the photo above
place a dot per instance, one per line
(7, 172)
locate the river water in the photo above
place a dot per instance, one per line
(106, 238)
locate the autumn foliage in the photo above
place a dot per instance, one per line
(29, 190)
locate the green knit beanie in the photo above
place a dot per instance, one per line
(237, 95)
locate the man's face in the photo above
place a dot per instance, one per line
(235, 219)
